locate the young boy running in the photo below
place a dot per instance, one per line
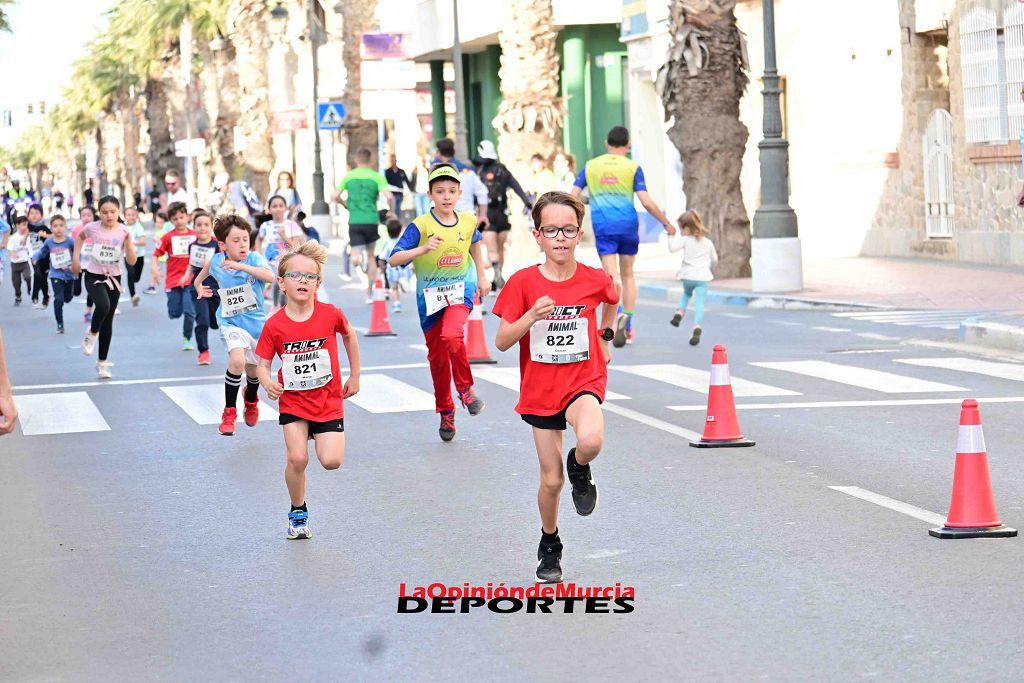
(240, 274)
(21, 258)
(199, 252)
(551, 311)
(59, 249)
(308, 387)
(439, 244)
(175, 244)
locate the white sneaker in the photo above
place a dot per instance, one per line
(88, 344)
(103, 369)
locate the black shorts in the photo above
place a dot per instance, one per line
(315, 428)
(497, 221)
(363, 234)
(557, 421)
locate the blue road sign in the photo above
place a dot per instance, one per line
(330, 115)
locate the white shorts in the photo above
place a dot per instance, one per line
(237, 338)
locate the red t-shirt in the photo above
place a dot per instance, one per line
(309, 356)
(175, 245)
(566, 357)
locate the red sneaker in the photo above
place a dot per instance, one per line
(251, 413)
(227, 421)
(204, 358)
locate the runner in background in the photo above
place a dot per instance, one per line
(498, 180)
(138, 232)
(398, 180)
(39, 232)
(358, 192)
(179, 297)
(199, 253)
(59, 249)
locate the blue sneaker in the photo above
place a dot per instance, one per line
(298, 525)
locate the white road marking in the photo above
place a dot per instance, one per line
(63, 413)
(652, 422)
(509, 378)
(854, 404)
(204, 403)
(823, 328)
(698, 380)
(788, 323)
(735, 315)
(419, 347)
(893, 504)
(877, 337)
(875, 380)
(384, 394)
(856, 351)
(981, 367)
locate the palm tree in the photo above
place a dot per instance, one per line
(701, 87)
(5, 24)
(531, 114)
(357, 18)
(248, 30)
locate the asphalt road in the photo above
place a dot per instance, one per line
(151, 548)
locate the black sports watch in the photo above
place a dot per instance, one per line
(607, 334)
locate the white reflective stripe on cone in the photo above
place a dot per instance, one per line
(476, 314)
(970, 439)
(719, 375)
(378, 294)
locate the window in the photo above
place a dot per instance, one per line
(992, 64)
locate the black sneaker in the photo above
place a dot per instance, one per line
(17, 302)
(619, 340)
(549, 562)
(584, 490)
(695, 339)
(60, 329)
(676, 319)
(447, 428)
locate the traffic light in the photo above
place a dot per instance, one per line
(30, 109)
(7, 118)
(42, 107)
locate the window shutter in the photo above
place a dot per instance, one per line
(1013, 30)
(979, 63)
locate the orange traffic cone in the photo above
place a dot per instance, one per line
(721, 428)
(476, 342)
(972, 511)
(380, 326)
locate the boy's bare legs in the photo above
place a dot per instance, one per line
(552, 477)
(295, 442)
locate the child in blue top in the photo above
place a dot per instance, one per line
(59, 248)
(240, 274)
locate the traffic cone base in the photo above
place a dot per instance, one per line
(735, 443)
(476, 340)
(1001, 531)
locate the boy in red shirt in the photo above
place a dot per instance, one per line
(176, 245)
(308, 387)
(551, 311)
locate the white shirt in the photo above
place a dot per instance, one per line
(180, 195)
(270, 235)
(472, 188)
(18, 246)
(699, 256)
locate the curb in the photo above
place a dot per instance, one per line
(753, 300)
(992, 334)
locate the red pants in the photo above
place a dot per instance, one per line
(446, 352)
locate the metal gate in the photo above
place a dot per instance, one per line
(938, 175)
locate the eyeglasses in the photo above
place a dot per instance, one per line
(551, 231)
(296, 276)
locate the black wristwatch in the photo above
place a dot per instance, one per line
(607, 334)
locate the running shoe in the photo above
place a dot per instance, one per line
(227, 421)
(88, 343)
(396, 307)
(298, 525)
(695, 339)
(150, 290)
(17, 302)
(186, 344)
(46, 301)
(60, 329)
(447, 428)
(584, 490)
(87, 317)
(470, 401)
(117, 311)
(103, 369)
(135, 300)
(676, 319)
(619, 340)
(38, 306)
(251, 413)
(630, 336)
(204, 358)
(549, 562)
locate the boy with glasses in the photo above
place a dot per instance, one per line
(551, 311)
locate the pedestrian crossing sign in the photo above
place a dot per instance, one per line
(330, 115)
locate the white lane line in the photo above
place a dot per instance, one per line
(877, 337)
(899, 315)
(384, 394)
(698, 380)
(854, 404)
(981, 367)
(823, 328)
(204, 403)
(166, 380)
(893, 504)
(652, 422)
(862, 351)
(419, 347)
(788, 323)
(63, 413)
(875, 380)
(509, 378)
(735, 315)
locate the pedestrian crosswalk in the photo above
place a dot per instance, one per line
(942, 320)
(405, 388)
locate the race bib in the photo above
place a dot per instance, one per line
(237, 300)
(560, 341)
(86, 251)
(200, 255)
(60, 260)
(443, 296)
(106, 254)
(179, 244)
(307, 370)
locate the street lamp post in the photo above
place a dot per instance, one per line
(461, 147)
(776, 253)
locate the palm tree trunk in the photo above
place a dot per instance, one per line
(247, 29)
(531, 114)
(161, 145)
(225, 85)
(704, 80)
(357, 18)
